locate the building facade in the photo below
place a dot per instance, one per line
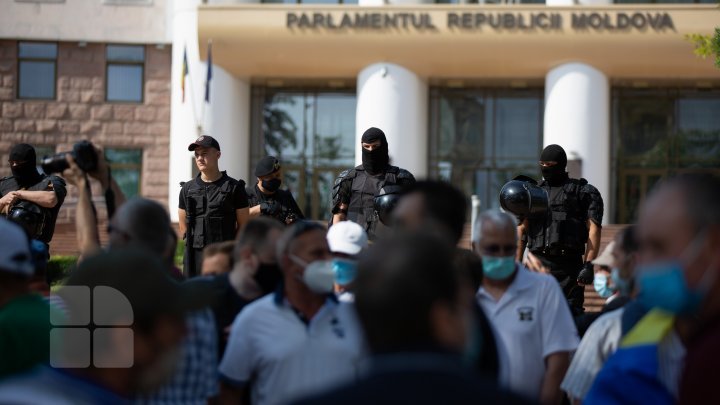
(465, 92)
(96, 70)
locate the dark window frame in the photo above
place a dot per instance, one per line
(120, 62)
(494, 163)
(306, 172)
(625, 174)
(128, 166)
(26, 59)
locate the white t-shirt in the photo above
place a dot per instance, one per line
(286, 358)
(532, 320)
(601, 340)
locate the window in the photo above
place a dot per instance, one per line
(37, 63)
(313, 135)
(481, 138)
(125, 66)
(126, 167)
(661, 132)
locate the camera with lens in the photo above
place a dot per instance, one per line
(84, 154)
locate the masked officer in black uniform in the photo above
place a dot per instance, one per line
(355, 189)
(267, 199)
(30, 198)
(212, 207)
(567, 239)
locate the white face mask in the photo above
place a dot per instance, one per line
(161, 371)
(318, 276)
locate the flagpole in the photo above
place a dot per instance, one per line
(192, 95)
(206, 99)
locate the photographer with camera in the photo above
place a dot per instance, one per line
(86, 159)
(266, 198)
(29, 198)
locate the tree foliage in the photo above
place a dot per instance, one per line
(707, 45)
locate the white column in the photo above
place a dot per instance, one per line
(184, 116)
(227, 119)
(395, 100)
(577, 117)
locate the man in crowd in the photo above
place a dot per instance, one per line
(24, 315)
(355, 189)
(678, 263)
(267, 199)
(212, 207)
(37, 198)
(346, 241)
(298, 340)
(567, 239)
(255, 273)
(217, 258)
(140, 223)
(534, 325)
(603, 336)
(440, 207)
(130, 288)
(417, 318)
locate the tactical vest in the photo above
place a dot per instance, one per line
(209, 220)
(564, 228)
(364, 188)
(42, 185)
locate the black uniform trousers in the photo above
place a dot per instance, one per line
(565, 268)
(192, 261)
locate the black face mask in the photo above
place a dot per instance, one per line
(271, 185)
(268, 276)
(554, 175)
(26, 175)
(377, 161)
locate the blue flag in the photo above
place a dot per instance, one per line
(209, 73)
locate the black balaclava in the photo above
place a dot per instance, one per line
(25, 174)
(377, 161)
(554, 175)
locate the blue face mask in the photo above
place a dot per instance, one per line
(345, 271)
(602, 287)
(498, 268)
(620, 283)
(662, 285)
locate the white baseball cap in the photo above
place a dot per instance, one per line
(347, 237)
(15, 253)
(605, 258)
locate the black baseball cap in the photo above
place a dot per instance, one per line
(206, 141)
(267, 165)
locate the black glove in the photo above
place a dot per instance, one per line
(587, 274)
(271, 207)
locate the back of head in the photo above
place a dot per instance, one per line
(255, 235)
(399, 281)
(142, 223)
(444, 204)
(15, 255)
(627, 240)
(702, 196)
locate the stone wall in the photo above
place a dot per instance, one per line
(81, 112)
